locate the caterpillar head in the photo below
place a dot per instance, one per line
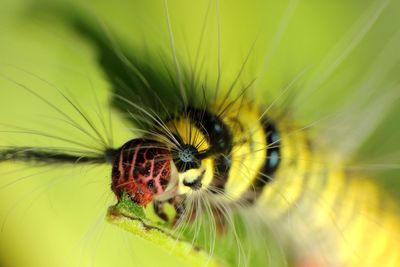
(144, 169)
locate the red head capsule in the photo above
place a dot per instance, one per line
(142, 168)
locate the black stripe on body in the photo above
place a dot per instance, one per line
(220, 144)
(272, 160)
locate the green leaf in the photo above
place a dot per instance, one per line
(131, 217)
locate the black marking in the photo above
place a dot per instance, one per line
(180, 208)
(273, 149)
(163, 182)
(187, 154)
(159, 210)
(196, 184)
(128, 151)
(48, 156)
(150, 184)
(110, 154)
(272, 160)
(186, 158)
(127, 157)
(220, 140)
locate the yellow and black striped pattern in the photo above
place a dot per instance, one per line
(341, 218)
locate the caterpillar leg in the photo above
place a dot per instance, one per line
(180, 209)
(188, 215)
(159, 210)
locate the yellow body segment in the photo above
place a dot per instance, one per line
(248, 152)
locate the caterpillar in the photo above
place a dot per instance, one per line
(222, 155)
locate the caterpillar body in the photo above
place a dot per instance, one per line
(250, 170)
(215, 162)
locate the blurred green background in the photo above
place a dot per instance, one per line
(54, 216)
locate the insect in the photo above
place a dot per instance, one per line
(213, 152)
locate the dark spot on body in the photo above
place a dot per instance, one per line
(150, 184)
(163, 182)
